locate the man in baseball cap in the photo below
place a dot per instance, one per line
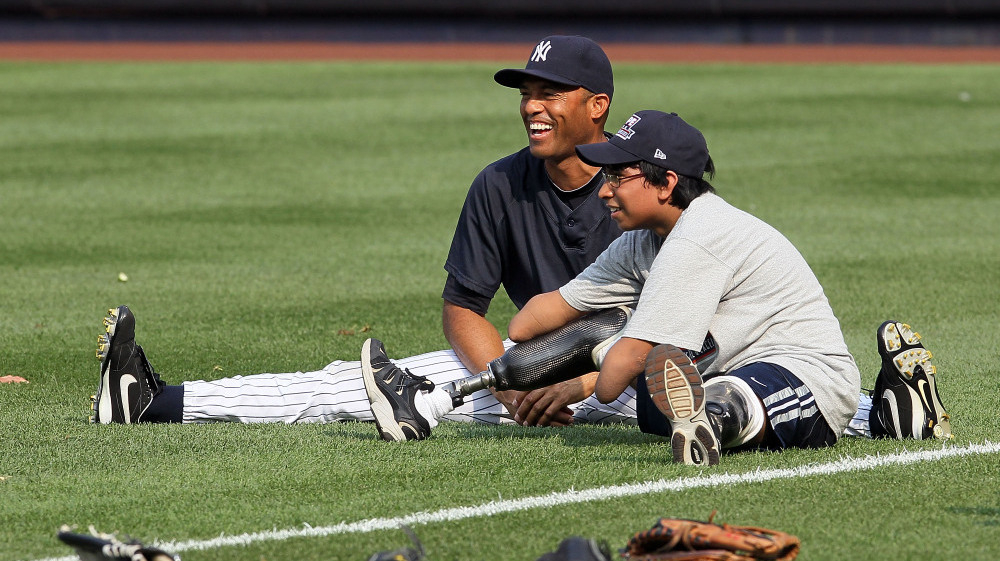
(689, 261)
(673, 153)
(531, 222)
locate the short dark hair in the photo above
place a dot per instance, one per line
(687, 189)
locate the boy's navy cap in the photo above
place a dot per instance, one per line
(567, 60)
(662, 139)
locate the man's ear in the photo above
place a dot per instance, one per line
(599, 104)
(664, 192)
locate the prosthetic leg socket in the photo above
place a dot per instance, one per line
(734, 411)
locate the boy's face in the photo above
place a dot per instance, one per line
(630, 199)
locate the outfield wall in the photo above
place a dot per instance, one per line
(507, 8)
(922, 22)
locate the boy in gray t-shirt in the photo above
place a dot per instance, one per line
(772, 371)
(691, 264)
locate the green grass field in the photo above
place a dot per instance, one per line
(270, 217)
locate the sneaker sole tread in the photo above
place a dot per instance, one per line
(101, 407)
(675, 387)
(382, 409)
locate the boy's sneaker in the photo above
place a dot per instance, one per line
(128, 383)
(905, 403)
(392, 391)
(675, 385)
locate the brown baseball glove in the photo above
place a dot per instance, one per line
(677, 539)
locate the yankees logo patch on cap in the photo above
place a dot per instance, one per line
(541, 51)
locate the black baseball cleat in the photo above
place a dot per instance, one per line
(675, 386)
(128, 383)
(906, 403)
(392, 391)
(107, 547)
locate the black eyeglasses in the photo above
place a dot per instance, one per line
(615, 181)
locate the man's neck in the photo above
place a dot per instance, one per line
(570, 174)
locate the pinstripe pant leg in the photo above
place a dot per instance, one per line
(337, 393)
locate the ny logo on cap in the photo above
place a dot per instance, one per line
(626, 131)
(541, 51)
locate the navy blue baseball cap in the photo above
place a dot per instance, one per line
(564, 59)
(662, 139)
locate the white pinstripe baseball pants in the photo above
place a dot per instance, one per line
(337, 393)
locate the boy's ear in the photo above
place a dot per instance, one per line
(664, 192)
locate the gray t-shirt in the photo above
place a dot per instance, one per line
(725, 271)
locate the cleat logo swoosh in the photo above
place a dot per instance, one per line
(125, 383)
(925, 394)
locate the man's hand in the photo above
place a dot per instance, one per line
(549, 406)
(508, 399)
(546, 407)
(533, 408)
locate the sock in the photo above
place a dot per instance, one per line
(601, 350)
(861, 424)
(433, 405)
(166, 407)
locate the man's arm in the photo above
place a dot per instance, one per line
(476, 342)
(471, 336)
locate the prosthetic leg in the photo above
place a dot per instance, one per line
(733, 410)
(566, 353)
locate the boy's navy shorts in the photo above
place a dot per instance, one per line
(793, 418)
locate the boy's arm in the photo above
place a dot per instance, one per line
(625, 360)
(541, 314)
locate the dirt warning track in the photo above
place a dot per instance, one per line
(619, 52)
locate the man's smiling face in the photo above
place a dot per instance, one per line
(557, 118)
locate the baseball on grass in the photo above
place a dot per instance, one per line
(122, 277)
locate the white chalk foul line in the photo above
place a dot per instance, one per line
(573, 497)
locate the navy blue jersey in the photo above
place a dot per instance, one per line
(516, 231)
